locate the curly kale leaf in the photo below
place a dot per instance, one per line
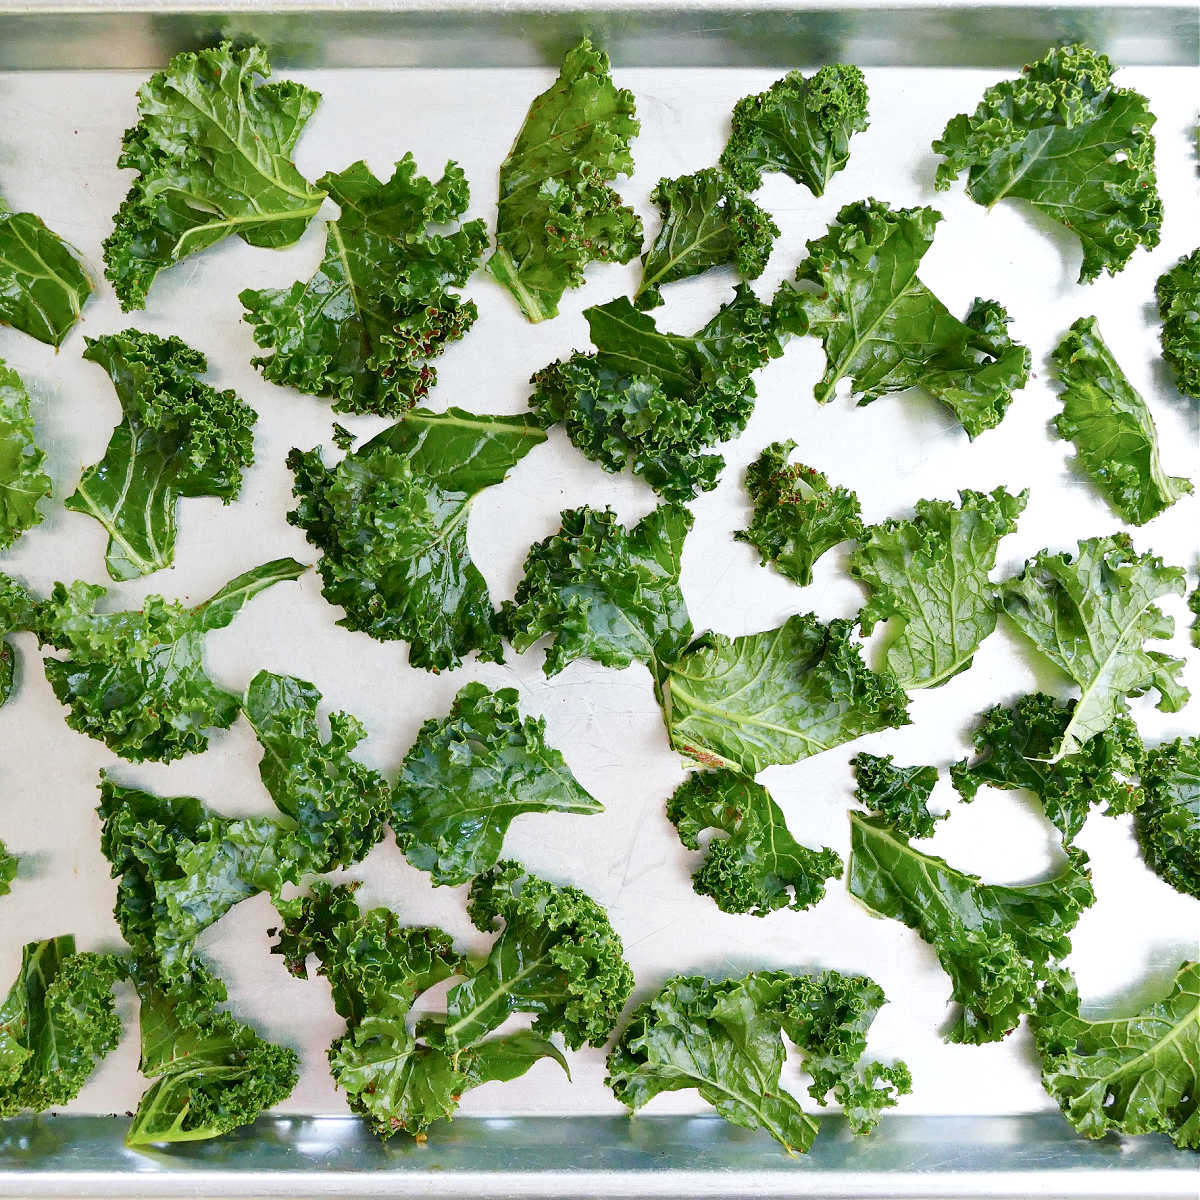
(468, 775)
(996, 942)
(707, 221)
(930, 576)
(177, 437)
(799, 126)
(20, 611)
(1015, 745)
(776, 697)
(604, 592)
(1064, 139)
(1091, 615)
(898, 794)
(757, 866)
(1178, 292)
(886, 332)
(212, 148)
(1128, 1075)
(556, 210)
(1115, 440)
(56, 1023)
(1168, 819)
(390, 521)
(43, 285)
(657, 401)
(361, 330)
(23, 479)
(798, 513)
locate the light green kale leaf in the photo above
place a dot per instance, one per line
(23, 479)
(898, 794)
(930, 576)
(757, 866)
(1091, 615)
(776, 697)
(390, 521)
(213, 151)
(1168, 820)
(1064, 139)
(8, 869)
(1178, 292)
(43, 285)
(361, 330)
(556, 210)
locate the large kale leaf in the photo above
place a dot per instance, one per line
(212, 148)
(1064, 139)
(898, 794)
(23, 479)
(378, 307)
(178, 437)
(1168, 819)
(43, 285)
(1178, 292)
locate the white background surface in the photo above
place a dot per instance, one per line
(59, 141)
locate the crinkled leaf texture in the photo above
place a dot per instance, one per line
(886, 332)
(19, 611)
(603, 592)
(1091, 615)
(899, 795)
(23, 479)
(1115, 440)
(1178, 292)
(556, 211)
(1128, 1075)
(752, 864)
(776, 697)
(1194, 607)
(723, 1039)
(1015, 744)
(468, 775)
(178, 437)
(799, 126)
(362, 329)
(1064, 139)
(929, 575)
(996, 942)
(43, 285)
(213, 151)
(1168, 821)
(390, 521)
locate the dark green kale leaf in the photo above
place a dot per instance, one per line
(1016, 743)
(898, 794)
(657, 401)
(8, 869)
(996, 942)
(707, 221)
(390, 521)
(1168, 820)
(43, 285)
(886, 332)
(1193, 605)
(1064, 139)
(213, 151)
(361, 329)
(930, 576)
(604, 592)
(799, 126)
(776, 697)
(23, 479)
(178, 437)
(1178, 292)
(20, 611)
(757, 866)
(1115, 440)
(1091, 615)
(556, 210)
(468, 775)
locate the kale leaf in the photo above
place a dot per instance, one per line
(1193, 601)
(898, 794)
(1178, 292)
(1168, 821)
(20, 611)
(8, 869)
(23, 479)
(43, 285)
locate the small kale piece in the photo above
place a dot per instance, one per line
(799, 126)
(707, 221)
(1091, 615)
(361, 330)
(798, 513)
(1194, 606)
(898, 794)
(1115, 440)
(996, 942)
(212, 148)
(1016, 743)
(43, 285)
(178, 437)
(757, 866)
(468, 775)
(1064, 139)
(20, 611)
(390, 521)
(23, 479)
(886, 332)
(8, 869)
(343, 439)
(930, 576)
(557, 212)
(654, 401)
(1168, 821)
(1178, 292)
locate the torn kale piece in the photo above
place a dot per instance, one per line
(1178, 292)
(43, 285)
(1168, 821)
(898, 794)
(24, 483)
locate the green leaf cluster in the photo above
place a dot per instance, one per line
(1178, 292)
(897, 794)
(23, 479)
(1168, 820)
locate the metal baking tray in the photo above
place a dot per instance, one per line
(454, 79)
